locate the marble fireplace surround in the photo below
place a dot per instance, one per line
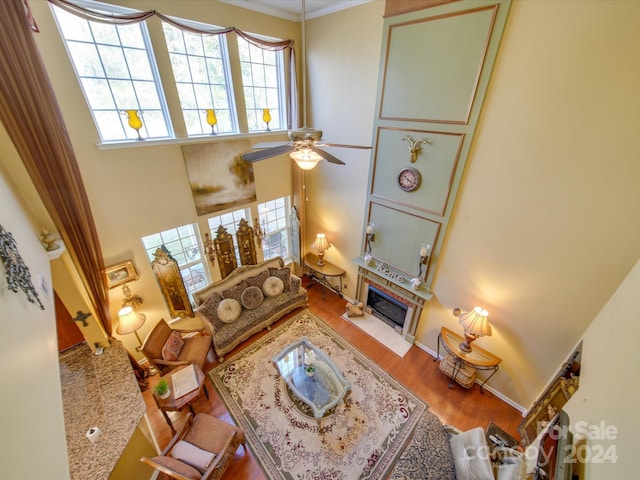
(396, 284)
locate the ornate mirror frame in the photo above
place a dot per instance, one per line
(167, 271)
(246, 244)
(225, 252)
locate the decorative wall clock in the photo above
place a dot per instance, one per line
(409, 179)
(18, 275)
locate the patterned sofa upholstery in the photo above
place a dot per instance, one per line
(439, 452)
(227, 336)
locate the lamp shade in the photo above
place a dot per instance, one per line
(130, 321)
(305, 158)
(475, 322)
(321, 243)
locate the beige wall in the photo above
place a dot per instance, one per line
(541, 235)
(605, 403)
(143, 189)
(32, 415)
(342, 98)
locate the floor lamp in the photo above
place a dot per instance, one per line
(130, 322)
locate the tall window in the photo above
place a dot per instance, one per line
(182, 243)
(116, 69)
(274, 221)
(118, 73)
(262, 79)
(229, 221)
(200, 67)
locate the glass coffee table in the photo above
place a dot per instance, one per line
(311, 376)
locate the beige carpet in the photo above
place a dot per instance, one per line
(359, 439)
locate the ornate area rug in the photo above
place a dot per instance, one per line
(359, 439)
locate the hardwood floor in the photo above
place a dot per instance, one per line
(416, 370)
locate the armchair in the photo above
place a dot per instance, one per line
(167, 348)
(200, 451)
(473, 459)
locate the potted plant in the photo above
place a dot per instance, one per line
(162, 388)
(310, 369)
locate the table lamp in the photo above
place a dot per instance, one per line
(475, 325)
(130, 322)
(321, 245)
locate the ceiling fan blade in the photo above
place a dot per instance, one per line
(269, 145)
(341, 145)
(326, 155)
(258, 155)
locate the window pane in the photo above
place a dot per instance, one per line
(229, 221)
(200, 69)
(109, 60)
(263, 85)
(182, 243)
(274, 222)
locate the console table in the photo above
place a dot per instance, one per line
(477, 358)
(323, 273)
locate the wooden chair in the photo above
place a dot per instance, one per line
(216, 438)
(195, 349)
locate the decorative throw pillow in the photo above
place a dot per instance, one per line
(229, 310)
(257, 280)
(283, 274)
(273, 287)
(178, 466)
(235, 292)
(192, 455)
(209, 308)
(251, 297)
(172, 347)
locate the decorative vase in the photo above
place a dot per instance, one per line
(212, 120)
(266, 117)
(135, 122)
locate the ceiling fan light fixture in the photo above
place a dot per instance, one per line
(305, 158)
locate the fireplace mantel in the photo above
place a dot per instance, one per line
(381, 274)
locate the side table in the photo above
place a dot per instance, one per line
(322, 273)
(496, 437)
(172, 404)
(477, 358)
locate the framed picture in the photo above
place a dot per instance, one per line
(120, 273)
(551, 402)
(544, 411)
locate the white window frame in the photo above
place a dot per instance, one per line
(254, 114)
(230, 221)
(229, 126)
(149, 130)
(154, 126)
(272, 224)
(188, 266)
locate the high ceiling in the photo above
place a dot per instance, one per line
(292, 9)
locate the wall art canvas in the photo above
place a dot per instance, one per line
(219, 178)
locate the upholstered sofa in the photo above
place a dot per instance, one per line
(439, 452)
(250, 299)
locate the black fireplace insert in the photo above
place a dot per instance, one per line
(386, 308)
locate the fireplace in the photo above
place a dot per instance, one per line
(386, 308)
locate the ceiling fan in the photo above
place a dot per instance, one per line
(304, 143)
